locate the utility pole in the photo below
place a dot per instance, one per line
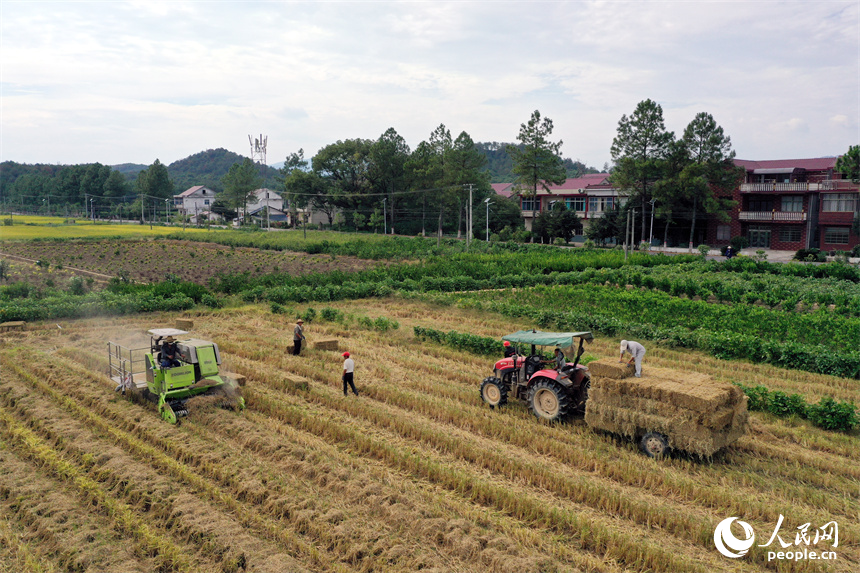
(384, 216)
(487, 201)
(469, 217)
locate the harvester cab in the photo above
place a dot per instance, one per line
(551, 394)
(140, 370)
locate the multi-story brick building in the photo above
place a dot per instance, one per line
(589, 195)
(790, 204)
(785, 204)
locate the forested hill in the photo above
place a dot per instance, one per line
(207, 168)
(500, 165)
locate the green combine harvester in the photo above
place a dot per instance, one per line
(138, 371)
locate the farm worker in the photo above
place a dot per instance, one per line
(636, 352)
(560, 361)
(348, 372)
(729, 252)
(298, 336)
(169, 353)
(509, 350)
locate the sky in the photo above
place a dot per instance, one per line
(129, 82)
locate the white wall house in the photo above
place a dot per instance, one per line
(263, 198)
(195, 202)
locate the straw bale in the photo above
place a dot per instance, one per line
(696, 413)
(326, 344)
(611, 368)
(184, 323)
(695, 391)
(12, 325)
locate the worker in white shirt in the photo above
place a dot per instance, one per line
(348, 373)
(636, 352)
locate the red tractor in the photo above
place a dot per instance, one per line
(551, 393)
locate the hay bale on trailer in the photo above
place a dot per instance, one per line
(610, 368)
(688, 411)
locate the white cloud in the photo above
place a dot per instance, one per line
(129, 81)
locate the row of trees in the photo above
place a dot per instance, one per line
(413, 191)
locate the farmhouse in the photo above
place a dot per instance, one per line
(790, 204)
(195, 201)
(785, 204)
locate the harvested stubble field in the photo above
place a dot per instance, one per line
(154, 260)
(415, 474)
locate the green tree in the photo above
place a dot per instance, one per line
(711, 170)
(638, 150)
(558, 221)
(609, 226)
(239, 184)
(388, 156)
(464, 165)
(849, 164)
(116, 186)
(536, 160)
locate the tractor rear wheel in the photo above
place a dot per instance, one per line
(548, 400)
(654, 445)
(494, 392)
(578, 407)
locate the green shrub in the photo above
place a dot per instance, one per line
(76, 286)
(783, 405)
(832, 415)
(330, 314)
(703, 249)
(813, 255)
(309, 315)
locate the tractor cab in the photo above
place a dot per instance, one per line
(527, 376)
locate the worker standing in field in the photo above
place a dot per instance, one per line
(298, 336)
(348, 373)
(636, 352)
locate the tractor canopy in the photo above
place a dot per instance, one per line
(538, 338)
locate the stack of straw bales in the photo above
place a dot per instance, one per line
(695, 412)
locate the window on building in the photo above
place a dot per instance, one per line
(759, 204)
(529, 204)
(206, 201)
(838, 202)
(792, 203)
(600, 204)
(790, 234)
(836, 235)
(575, 203)
(724, 232)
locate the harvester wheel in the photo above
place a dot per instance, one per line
(549, 401)
(654, 445)
(494, 392)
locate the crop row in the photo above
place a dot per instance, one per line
(307, 483)
(818, 342)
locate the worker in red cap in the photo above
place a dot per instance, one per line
(348, 372)
(509, 350)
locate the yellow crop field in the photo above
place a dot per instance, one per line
(32, 227)
(415, 474)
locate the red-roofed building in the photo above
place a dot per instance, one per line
(589, 195)
(790, 204)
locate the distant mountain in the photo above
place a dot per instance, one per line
(208, 167)
(130, 170)
(500, 164)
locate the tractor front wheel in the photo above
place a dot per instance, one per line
(549, 401)
(494, 392)
(654, 445)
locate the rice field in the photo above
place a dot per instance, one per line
(414, 474)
